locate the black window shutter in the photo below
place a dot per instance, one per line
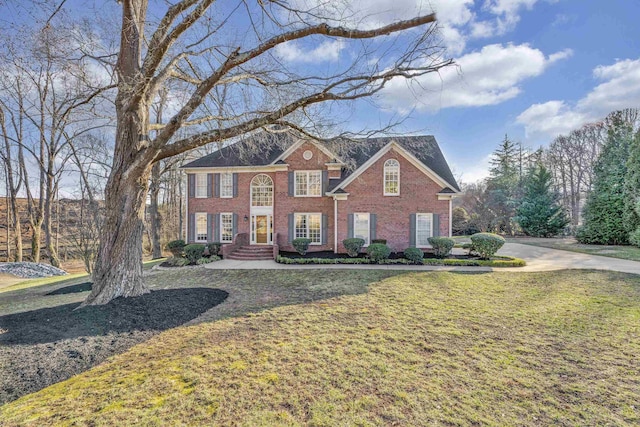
(325, 229)
(209, 185)
(191, 236)
(235, 224)
(373, 225)
(210, 222)
(291, 183)
(191, 183)
(436, 224)
(325, 181)
(235, 185)
(350, 226)
(291, 228)
(216, 227)
(216, 185)
(412, 230)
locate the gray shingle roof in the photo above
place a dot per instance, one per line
(264, 148)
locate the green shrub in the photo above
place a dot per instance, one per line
(177, 261)
(194, 252)
(214, 248)
(204, 260)
(301, 244)
(414, 255)
(353, 245)
(634, 237)
(441, 246)
(176, 247)
(486, 244)
(383, 241)
(378, 252)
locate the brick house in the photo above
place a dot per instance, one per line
(269, 189)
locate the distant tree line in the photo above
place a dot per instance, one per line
(586, 183)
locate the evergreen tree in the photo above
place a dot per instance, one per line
(632, 189)
(607, 218)
(540, 213)
(502, 185)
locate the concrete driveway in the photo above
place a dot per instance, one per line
(546, 259)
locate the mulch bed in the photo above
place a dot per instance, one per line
(41, 347)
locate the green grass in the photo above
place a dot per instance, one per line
(613, 251)
(553, 348)
(66, 279)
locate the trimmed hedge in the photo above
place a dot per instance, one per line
(383, 241)
(378, 252)
(194, 252)
(353, 245)
(214, 248)
(301, 245)
(441, 245)
(414, 255)
(496, 262)
(486, 244)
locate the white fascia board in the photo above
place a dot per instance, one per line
(299, 143)
(264, 168)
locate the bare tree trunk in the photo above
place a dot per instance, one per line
(154, 213)
(48, 230)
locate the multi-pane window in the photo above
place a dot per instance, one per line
(391, 177)
(308, 183)
(361, 227)
(424, 229)
(226, 185)
(201, 185)
(308, 226)
(262, 191)
(226, 227)
(201, 227)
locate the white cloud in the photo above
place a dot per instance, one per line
(457, 18)
(620, 88)
(486, 77)
(326, 51)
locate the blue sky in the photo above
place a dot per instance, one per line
(530, 69)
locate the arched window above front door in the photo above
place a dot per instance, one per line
(262, 190)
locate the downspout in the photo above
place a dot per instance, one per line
(335, 225)
(450, 216)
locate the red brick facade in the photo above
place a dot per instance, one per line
(418, 194)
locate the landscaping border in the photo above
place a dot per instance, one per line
(502, 261)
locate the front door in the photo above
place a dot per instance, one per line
(261, 226)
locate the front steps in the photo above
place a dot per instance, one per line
(252, 253)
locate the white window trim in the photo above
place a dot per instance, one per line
(206, 232)
(230, 196)
(206, 184)
(251, 187)
(221, 229)
(296, 214)
(431, 225)
(295, 186)
(384, 179)
(368, 227)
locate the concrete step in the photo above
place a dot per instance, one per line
(245, 257)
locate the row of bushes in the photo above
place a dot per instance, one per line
(485, 245)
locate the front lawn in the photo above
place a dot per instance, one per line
(553, 348)
(570, 244)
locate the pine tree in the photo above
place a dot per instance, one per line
(502, 185)
(632, 189)
(607, 219)
(540, 214)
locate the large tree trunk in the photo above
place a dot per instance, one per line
(154, 212)
(118, 268)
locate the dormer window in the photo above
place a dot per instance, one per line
(391, 178)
